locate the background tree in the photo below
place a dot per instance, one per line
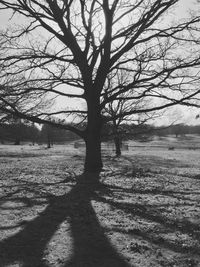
(120, 111)
(33, 133)
(50, 135)
(179, 129)
(16, 130)
(68, 48)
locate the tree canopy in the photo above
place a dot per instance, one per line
(69, 49)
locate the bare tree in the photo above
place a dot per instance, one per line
(124, 109)
(119, 112)
(68, 48)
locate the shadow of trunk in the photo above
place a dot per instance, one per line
(90, 245)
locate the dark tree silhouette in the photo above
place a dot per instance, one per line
(51, 135)
(16, 130)
(68, 48)
(47, 133)
(124, 110)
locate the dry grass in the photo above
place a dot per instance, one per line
(146, 213)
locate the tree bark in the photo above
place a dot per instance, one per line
(93, 159)
(117, 142)
(117, 139)
(49, 142)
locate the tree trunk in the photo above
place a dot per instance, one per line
(48, 142)
(117, 142)
(17, 141)
(93, 160)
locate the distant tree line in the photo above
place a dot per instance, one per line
(178, 130)
(18, 132)
(134, 131)
(144, 132)
(51, 135)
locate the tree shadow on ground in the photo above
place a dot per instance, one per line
(152, 213)
(91, 247)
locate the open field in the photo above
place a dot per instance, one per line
(146, 213)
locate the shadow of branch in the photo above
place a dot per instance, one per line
(150, 213)
(91, 247)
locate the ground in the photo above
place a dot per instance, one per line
(146, 212)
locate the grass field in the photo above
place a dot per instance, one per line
(146, 213)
